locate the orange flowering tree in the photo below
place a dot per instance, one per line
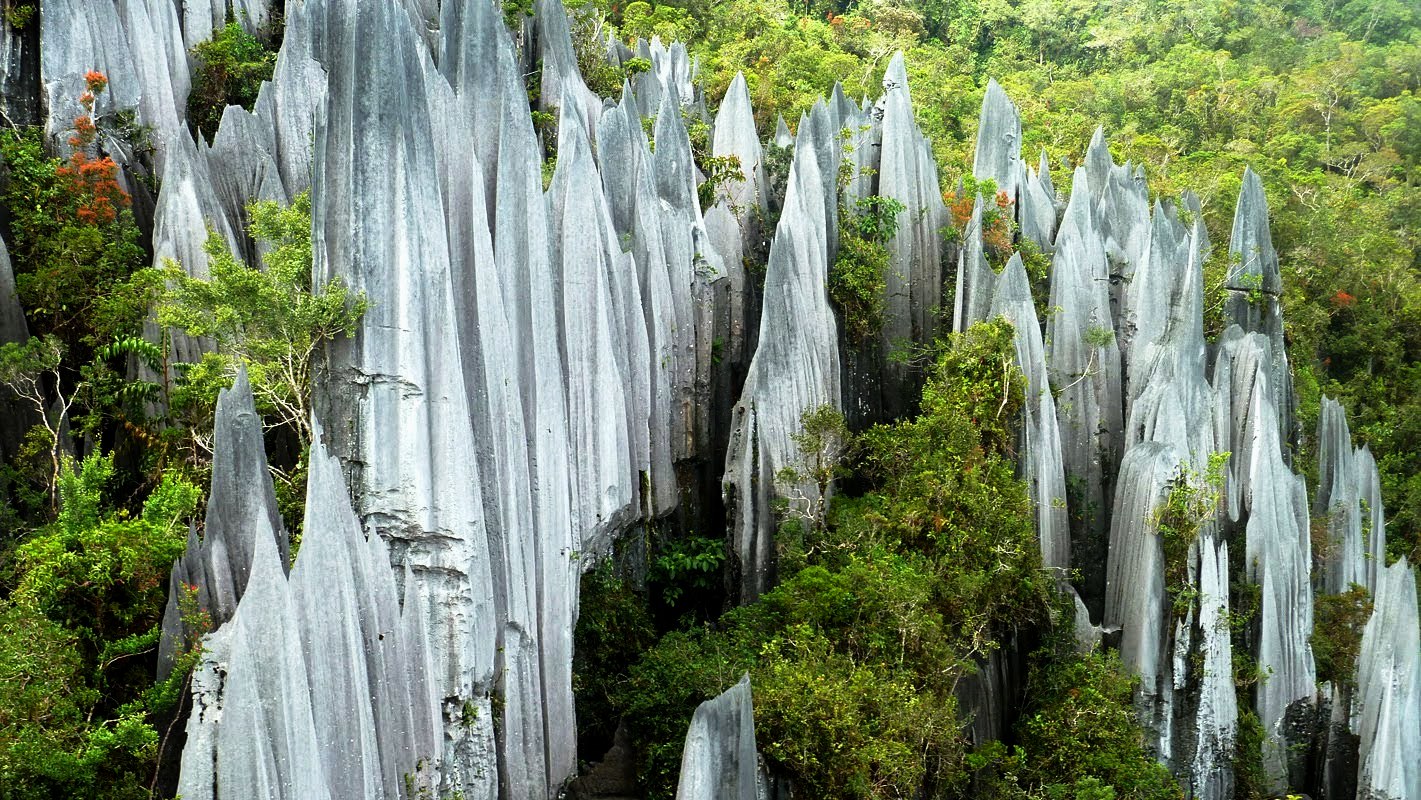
(73, 240)
(997, 223)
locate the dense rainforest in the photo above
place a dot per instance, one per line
(911, 643)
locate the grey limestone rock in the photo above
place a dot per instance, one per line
(603, 473)
(405, 431)
(1168, 397)
(241, 508)
(1216, 713)
(263, 741)
(161, 66)
(242, 170)
(1040, 464)
(372, 700)
(563, 88)
(1254, 291)
(1384, 716)
(19, 75)
(735, 135)
(1135, 597)
(907, 173)
(318, 686)
(998, 152)
(1036, 205)
(719, 761)
(1348, 497)
(12, 316)
(975, 278)
(1270, 501)
(77, 36)
(1084, 363)
(795, 367)
(783, 137)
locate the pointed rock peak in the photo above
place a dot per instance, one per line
(995, 98)
(1078, 208)
(570, 124)
(1251, 241)
(896, 76)
(783, 138)
(738, 88)
(1252, 201)
(1012, 284)
(1098, 161)
(735, 112)
(239, 395)
(998, 152)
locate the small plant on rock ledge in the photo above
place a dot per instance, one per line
(858, 278)
(1192, 501)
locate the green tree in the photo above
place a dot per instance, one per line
(77, 633)
(272, 320)
(229, 71)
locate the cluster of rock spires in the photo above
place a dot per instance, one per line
(540, 369)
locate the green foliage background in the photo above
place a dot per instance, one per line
(1321, 97)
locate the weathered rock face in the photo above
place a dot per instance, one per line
(795, 367)
(1270, 503)
(975, 278)
(1135, 597)
(719, 761)
(1389, 689)
(1084, 362)
(998, 152)
(1040, 463)
(908, 174)
(241, 508)
(12, 317)
(320, 685)
(1254, 289)
(537, 372)
(1349, 498)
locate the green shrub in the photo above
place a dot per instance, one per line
(229, 72)
(1338, 620)
(1081, 732)
(859, 274)
(77, 635)
(612, 622)
(70, 261)
(855, 657)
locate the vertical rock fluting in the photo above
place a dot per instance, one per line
(496, 411)
(320, 686)
(1135, 599)
(795, 367)
(1040, 462)
(1349, 498)
(535, 368)
(401, 402)
(1084, 362)
(997, 155)
(1389, 691)
(241, 507)
(719, 761)
(1268, 504)
(975, 278)
(908, 174)
(1253, 287)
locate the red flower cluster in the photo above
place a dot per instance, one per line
(93, 181)
(996, 226)
(1342, 299)
(96, 81)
